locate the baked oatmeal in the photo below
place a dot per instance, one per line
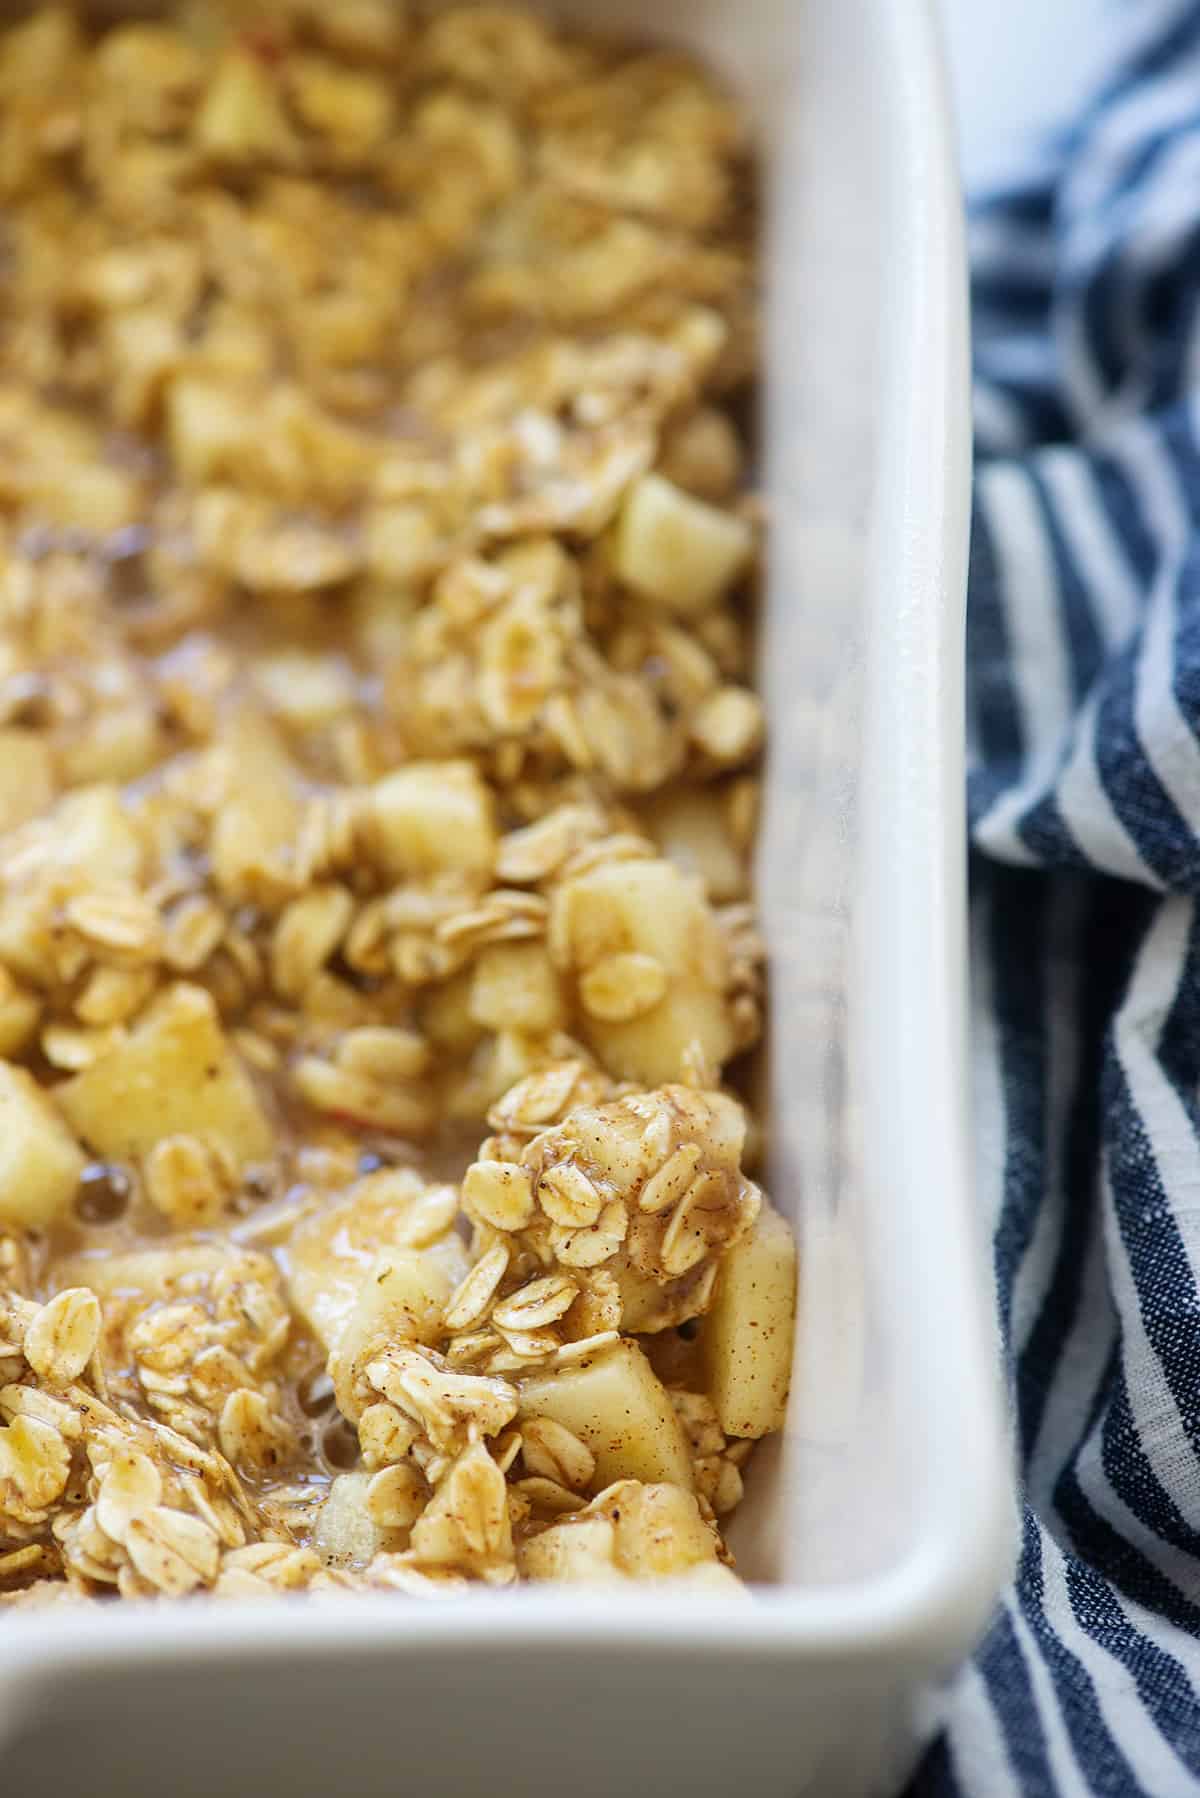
(377, 801)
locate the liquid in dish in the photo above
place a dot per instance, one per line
(377, 798)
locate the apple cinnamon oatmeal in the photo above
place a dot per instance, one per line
(377, 798)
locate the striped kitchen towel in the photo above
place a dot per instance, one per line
(1084, 744)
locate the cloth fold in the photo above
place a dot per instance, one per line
(1083, 668)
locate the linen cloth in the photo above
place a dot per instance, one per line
(1083, 670)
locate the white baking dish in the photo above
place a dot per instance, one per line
(880, 1525)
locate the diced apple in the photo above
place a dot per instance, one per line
(632, 1532)
(351, 108)
(330, 1256)
(96, 499)
(400, 1299)
(717, 1119)
(117, 745)
(346, 1536)
(651, 1049)
(611, 1138)
(495, 1065)
(747, 1337)
(647, 908)
(677, 551)
(242, 118)
(208, 425)
(582, 1551)
(690, 828)
(659, 1529)
(515, 987)
(305, 689)
(94, 831)
(40, 1161)
(445, 1014)
(89, 829)
(380, 621)
(615, 1404)
(126, 1283)
(641, 1296)
(258, 823)
(293, 556)
(26, 777)
(36, 53)
(403, 1293)
(435, 818)
(25, 939)
(143, 348)
(401, 543)
(143, 1273)
(176, 1073)
(709, 1579)
(369, 29)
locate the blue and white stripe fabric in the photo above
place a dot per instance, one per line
(1084, 748)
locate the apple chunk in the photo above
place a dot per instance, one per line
(346, 1534)
(583, 1551)
(631, 1531)
(176, 1073)
(617, 1405)
(676, 551)
(401, 1299)
(26, 777)
(257, 824)
(435, 818)
(40, 1161)
(647, 909)
(331, 1255)
(747, 1336)
(144, 1274)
